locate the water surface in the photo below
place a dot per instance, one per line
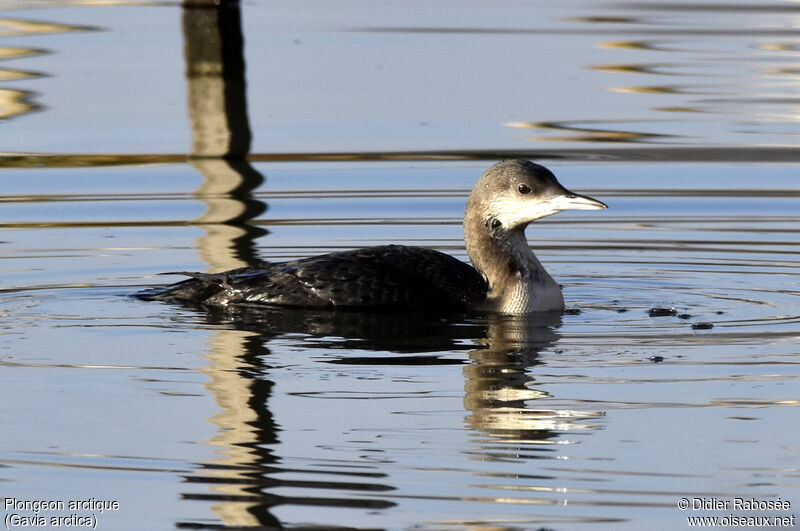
(367, 125)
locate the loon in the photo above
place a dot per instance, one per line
(506, 277)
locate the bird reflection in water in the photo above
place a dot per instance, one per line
(499, 355)
(501, 394)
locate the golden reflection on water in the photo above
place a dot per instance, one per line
(13, 75)
(15, 102)
(238, 434)
(679, 109)
(780, 47)
(785, 71)
(631, 45)
(655, 69)
(9, 52)
(20, 27)
(652, 89)
(586, 134)
(605, 20)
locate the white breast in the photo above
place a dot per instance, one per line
(535, 297)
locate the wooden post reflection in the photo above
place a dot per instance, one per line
(215, 73)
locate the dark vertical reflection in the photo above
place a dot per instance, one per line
(215, 73)
(241, 382)
(238, 482)
(246, 435)
(221, 137)
(265, 430)
(215, 69)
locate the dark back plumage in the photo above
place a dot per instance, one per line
(388, 276)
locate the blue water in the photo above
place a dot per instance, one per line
(369, 124)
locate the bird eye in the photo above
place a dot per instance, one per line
(524, 188)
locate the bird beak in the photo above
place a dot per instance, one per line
(572, 201)
(520, 213)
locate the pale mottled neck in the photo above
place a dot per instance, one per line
(518, 283)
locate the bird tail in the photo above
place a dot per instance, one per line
(195, 289)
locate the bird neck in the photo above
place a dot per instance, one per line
(518, 283)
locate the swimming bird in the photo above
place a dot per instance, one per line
(505, 276)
